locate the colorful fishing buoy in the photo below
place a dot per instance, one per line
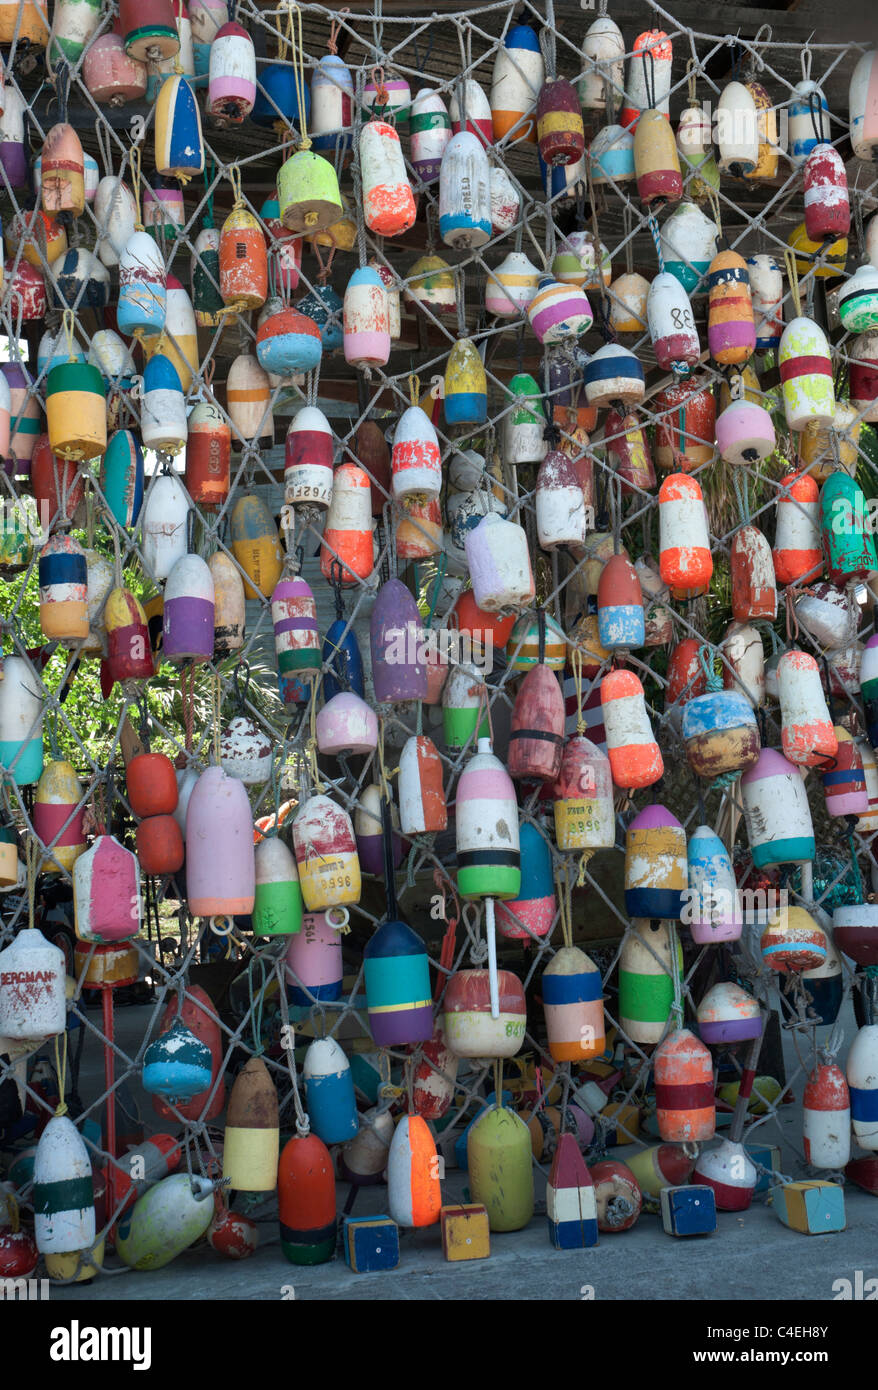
(572, 1000)
(326, 855)
(861, 1079)
(464, 193)
(728, 1014)
(656, 162)
(517, 80)
(165, 1221)
(583, 796)
(398, 994)
(793, 941)
(177, 1065)
(618, 1199)
(731, 331)
(329, 1092)
(797, 552)
(635, 757)
(807, 734)
(776, 812)
(220, 873)
(500, 1167)
(306, 1201)
(58, 816)
(754, 591)
(656, 869)
(466, 387)
(63, 1190)
(826, 1117)
(714, 911)
(806, 375)
(413, 1188)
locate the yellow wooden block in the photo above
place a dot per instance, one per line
(466, 1234)
(627, 1120)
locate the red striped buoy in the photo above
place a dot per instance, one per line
(685, 1106)
(635, 757)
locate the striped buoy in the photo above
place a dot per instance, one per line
(685, 559)
(129, 656)
(366, 320)
(306, 1200)
(730, 1173)
(488, 852)
(731, 332)
(208, 456)
(826, 1117)
(656, 871)
(537, 731)
(63, 579)
(656, 162)
(862, 1079)
(560, 132)
(313, 966)
(793, 941)
(808, 119)
(806, 375)
(858, 300)
(558, 311)
(525, 644)
(470, 1026)
(517, 79)
(231, 84)
(465, 400)
(844, 784)
(399, 1000)
(646, 984)
(188, 614)
(797, 553)
(296, 635)
(21, 721)
(415, 460)
(346, 554)
(611, 155)
(671, 325)
(422, 805)
(621, 625)
(776, 812)
(583, 797)
(308, 458)
(163, 409)
(635, 757)
(728, 1014)
(121, 477)
(613, 374)
(58, 816)
(685, 1106)
(572, 1000)
(76, 410)
(63, 1190)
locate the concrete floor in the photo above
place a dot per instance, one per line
(751, 1256)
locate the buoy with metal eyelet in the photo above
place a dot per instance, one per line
(656, 870)
(635, 757)
(776, 811)
(807, 118)
(326, 855)
(731, 333)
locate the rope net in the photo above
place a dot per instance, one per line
(184, 714)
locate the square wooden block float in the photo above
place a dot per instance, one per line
(813, 1207)
(688, 1211)
(371, 1243)
(466, 1234)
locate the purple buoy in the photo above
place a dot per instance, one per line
(399, 668)
(188, 617)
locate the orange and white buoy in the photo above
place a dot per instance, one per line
(635, 757)
(685, 560)
(807, 733)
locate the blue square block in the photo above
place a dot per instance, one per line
(370, 1243)
(688, 1211)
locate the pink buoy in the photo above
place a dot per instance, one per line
(220, 867)
(346, 725)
